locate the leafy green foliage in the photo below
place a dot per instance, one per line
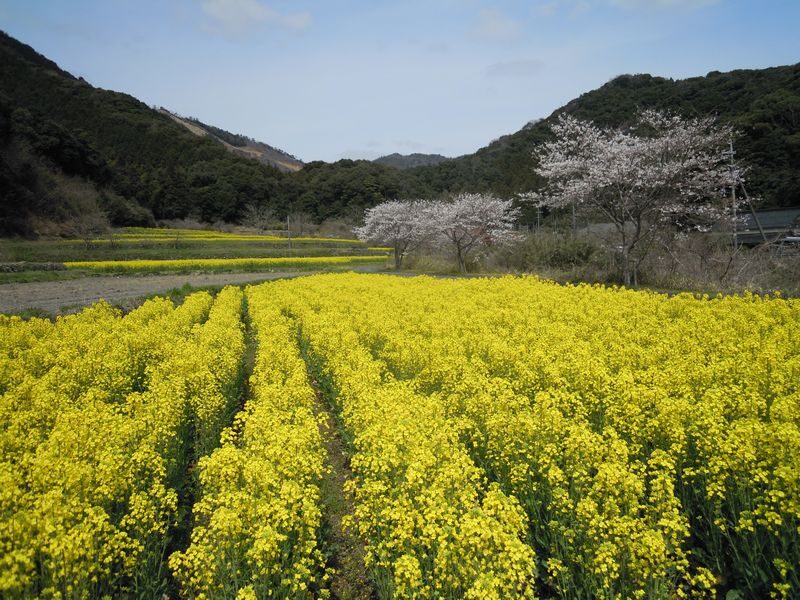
(763, 106)
(67, 148)
(133, 156)
(347, 187)
(409, 161)
(132, 153)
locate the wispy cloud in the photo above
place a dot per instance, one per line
(494, 26)
(663, 3)
(526, 67)
(577, 7)
(548, 8)
(240, 16)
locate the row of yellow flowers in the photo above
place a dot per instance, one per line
(17, 338)
(258, 518)
(97, 437)
(78, 362)
(652, 441)
(171, 239)
(432, 525)
(200, 264)
(149, 234)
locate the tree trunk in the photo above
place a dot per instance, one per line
(626, 266)
(625, 250)
(462, 264)
(398, 259)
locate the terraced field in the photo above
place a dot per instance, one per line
(57, 275)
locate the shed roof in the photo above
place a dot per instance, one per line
(776, 219)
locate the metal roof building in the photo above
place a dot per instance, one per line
(777, 224)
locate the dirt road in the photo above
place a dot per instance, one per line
(68, 295)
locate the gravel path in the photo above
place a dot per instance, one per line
(71, 294)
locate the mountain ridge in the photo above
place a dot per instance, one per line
(68, 149)
(240, 145)
(762, 104)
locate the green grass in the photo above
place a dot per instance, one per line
(31, 276)
(30, 257)
(42, 251)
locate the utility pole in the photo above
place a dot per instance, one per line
(288, 232)
(729, 154)
(735, 182)
(755, 216)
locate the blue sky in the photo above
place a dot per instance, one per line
(358, 79)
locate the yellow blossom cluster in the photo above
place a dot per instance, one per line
(507, 437)
(431, 523)
(255, 264)
(258, 518)
(652, 441)
(96, 438)
(146, 234)
(17, 337)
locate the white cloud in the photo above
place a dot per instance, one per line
(580, 7)
(238, 16)
(662, 3)
(548, 8)
(526, 67)
(495, 26)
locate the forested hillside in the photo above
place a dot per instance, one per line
(409, 161)
(69, 150)
(72, 154)
(57, 132)
(240, 145)
(763, 105)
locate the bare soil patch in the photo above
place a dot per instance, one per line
(70, 295)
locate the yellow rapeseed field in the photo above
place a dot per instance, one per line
(147, 234)
(100, 417)
(640, 445)
(257, 521)
(507, 438)
(201, 264)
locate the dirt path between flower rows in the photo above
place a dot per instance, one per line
(69, 295)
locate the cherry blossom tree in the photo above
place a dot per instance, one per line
(471, 222)
(259, 216)
(403, 225)
(662, 169)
